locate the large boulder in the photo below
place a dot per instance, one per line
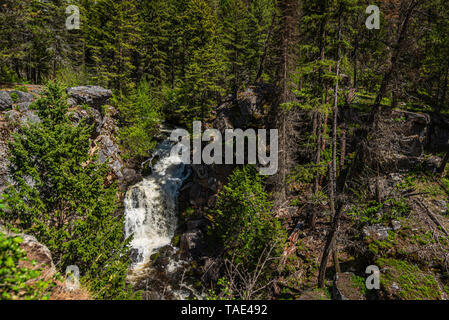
(439, 133)
(252, 102)
(35, 251)
(191, 244)
(23, 97)
(38, 252)
(93, 96)
(6, 101)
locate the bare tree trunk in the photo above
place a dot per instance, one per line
(333, 177)
(443, 165)
(335, 256)
(328, 246)
(288, 24)
(320, 140)
(316, 183)
(393, 63)
(443, 96)
(342, 150)
(378, 191)
(265, 49)
(318, 151)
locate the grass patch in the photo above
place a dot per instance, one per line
(413, 283)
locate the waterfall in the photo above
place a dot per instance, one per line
(151, 205)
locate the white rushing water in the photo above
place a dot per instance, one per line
(151, 205)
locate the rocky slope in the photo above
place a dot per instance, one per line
(91, 103)
(406, 236)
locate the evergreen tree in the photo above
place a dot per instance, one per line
(233, 40)
(59, 195)
(155, 44)
(243, 223)
(203, 67)
(114, 35)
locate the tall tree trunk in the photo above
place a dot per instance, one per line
(266, 47)
(342, 150)
(393, 63)
(333, 173)
(443, 95)
(443, 164)
(288, 25)
(318, 150)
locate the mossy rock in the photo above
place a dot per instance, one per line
(402, 280)
(349, 287)
(316, 294)
(176, 240)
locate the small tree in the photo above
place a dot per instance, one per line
(140, 115)
(16, 281)
(59, 196)
(244, 226)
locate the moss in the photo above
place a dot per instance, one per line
(175, 241)
(21, 88)
(154, 256)
(413, 283)
(376, 246)
(14, 97)
(359, 282)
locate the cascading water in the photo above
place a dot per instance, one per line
(151, 206)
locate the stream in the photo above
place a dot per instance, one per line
(151, 217)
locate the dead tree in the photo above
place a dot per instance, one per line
(443, 165)
(393, 64)
(333, 174)
(288, 33)
(375, 116)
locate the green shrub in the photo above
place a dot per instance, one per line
(413, 283)
(70, 77)
(14, 97)
(21, 88)
(140, 116)
(59, 196)
(18, 282)
(243, 224)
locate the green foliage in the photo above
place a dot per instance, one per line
(307, 173)
(242, 36)
(21, 88)
(373, 212)
(60, 197)
(223, 289)
(158, 30)
(140, 116)
(18, 282)
(243, 223)
(413, 283)
(202, 62)
(71, 77)
(14, 97)
(112, 34)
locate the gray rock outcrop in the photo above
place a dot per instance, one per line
(5, 100)
(93, 96)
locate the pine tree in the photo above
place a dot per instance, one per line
(155, 44)
(203, 66)
(113, 37)
(233, 40)
(59, 195)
